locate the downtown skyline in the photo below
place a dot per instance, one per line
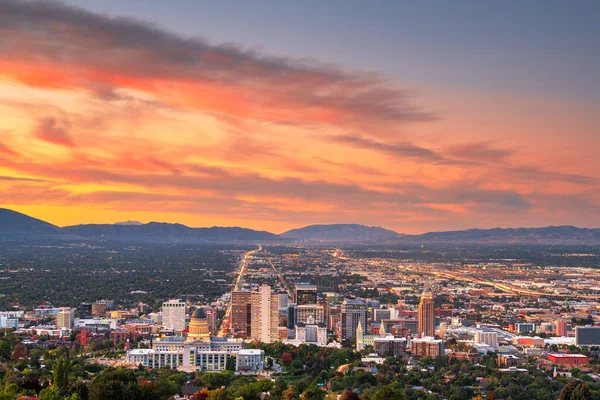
(107, 118)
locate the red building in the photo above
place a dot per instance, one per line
(568, 359)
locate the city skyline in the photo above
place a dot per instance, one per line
(413, 117)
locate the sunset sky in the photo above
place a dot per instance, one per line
(414, 116)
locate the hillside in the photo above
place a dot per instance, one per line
(15, 224)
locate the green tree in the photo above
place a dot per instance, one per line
(60, 374)
(49, 394)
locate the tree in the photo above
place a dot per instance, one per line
(388, 393)
(20, 352)
(49, 394)
(286, 359)
(582, 392)
(60, 374)
(313, 393)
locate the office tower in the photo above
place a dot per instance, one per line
(174, 315)
(241, 312)
(426, 315)
(335, 316)
(65, 318)
(211, 317)
(264, 315)
(85, 310)
(379, 314)
(283, 300)
(587, 336)
(98, 309)
(561, 327)
(198, 328)
(305, 294)
(305, 311)
(291, 317)
(353, 312)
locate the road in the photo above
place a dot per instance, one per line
(282, 279)
(224, 329)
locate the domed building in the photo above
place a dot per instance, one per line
(198, 328)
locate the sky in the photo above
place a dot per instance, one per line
(415, 116)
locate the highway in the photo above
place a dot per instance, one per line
(282, 279)
(224, 329)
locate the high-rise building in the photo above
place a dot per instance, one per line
(98, 309)
(174, 315)
(283, 300)
(305, 311)
(426, 315)
(211, 317)
(264, 315)
(241, 312)
(587, 336)
(65, 318)
(85, 310)
(291, 316)
(353, 312)
(305, 294)
(561, 327)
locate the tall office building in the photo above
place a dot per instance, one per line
(353, 312)
(587, 336)
(85, 310)
(283, 301)
(65, 318)
(265, 315)
(305, 311)
(305, 294)
(561, 327)
(174, 315)
(426, 315)
(241, 312)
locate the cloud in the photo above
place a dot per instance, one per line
(404, 150)
(478, 152)
(54, 131)
(75, 48)
(537, 174)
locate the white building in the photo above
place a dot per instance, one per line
(311, 332)
(173, 312)
(489, 338)
(7, 322)
(216, 354)
(250, 360)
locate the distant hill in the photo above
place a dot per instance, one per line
(167, 232)
(15, 224)
(546, 235)
(342, 233)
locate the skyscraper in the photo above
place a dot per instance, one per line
(305, 294)
(353, 312)
(561, 327)
(265, 314)
(174, 315)
(426, 315)
(65, 318)
(241, 312)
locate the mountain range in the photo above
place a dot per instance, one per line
(16, 225)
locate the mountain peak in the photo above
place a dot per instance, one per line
(342, 233)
